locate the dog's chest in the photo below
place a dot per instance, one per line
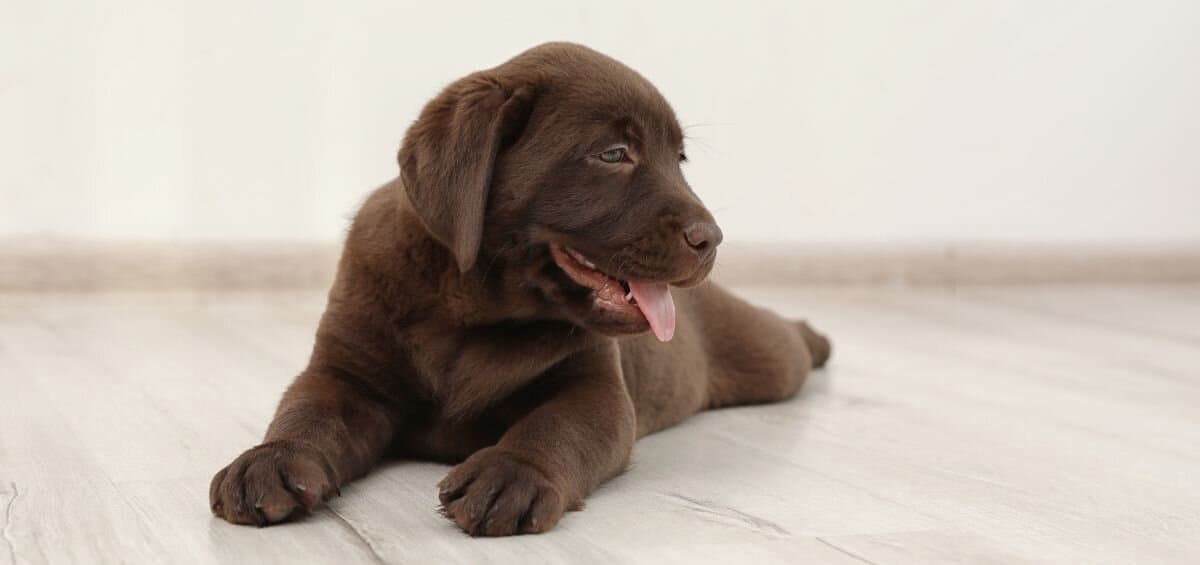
(468, 371)
(450, 440)
(429, 431)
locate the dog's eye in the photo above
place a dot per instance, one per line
(682, 156)
(613, 155)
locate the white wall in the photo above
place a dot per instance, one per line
(1036, 120)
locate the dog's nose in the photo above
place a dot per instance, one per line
(703, 237)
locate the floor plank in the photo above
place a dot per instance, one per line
(1003, 424)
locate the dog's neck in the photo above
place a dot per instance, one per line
(417, 277)
(397, 284)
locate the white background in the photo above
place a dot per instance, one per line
(910, 121)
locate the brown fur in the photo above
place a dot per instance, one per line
(452, 335)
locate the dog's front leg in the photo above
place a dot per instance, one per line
(581, 434)
(327, 430)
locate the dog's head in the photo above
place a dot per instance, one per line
(558, 172)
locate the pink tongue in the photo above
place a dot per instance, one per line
(654, 299)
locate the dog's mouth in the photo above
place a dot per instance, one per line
(651, 299)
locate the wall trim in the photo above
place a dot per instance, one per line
(32, 265)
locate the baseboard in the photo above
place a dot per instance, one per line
(30, 265)
(65, 265)
(961, 264)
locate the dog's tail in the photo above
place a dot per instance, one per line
(818, 345)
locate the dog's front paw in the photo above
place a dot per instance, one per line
(270, 483)
(493, 493)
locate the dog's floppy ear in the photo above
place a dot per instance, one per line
(448, 154)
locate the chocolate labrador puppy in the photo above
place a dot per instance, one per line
(525, 300)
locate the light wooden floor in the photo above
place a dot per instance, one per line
(1050, 424)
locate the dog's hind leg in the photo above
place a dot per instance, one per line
(819, 346)
(754, 355)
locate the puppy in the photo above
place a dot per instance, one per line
(524, 301)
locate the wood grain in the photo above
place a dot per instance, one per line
(982, 425)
